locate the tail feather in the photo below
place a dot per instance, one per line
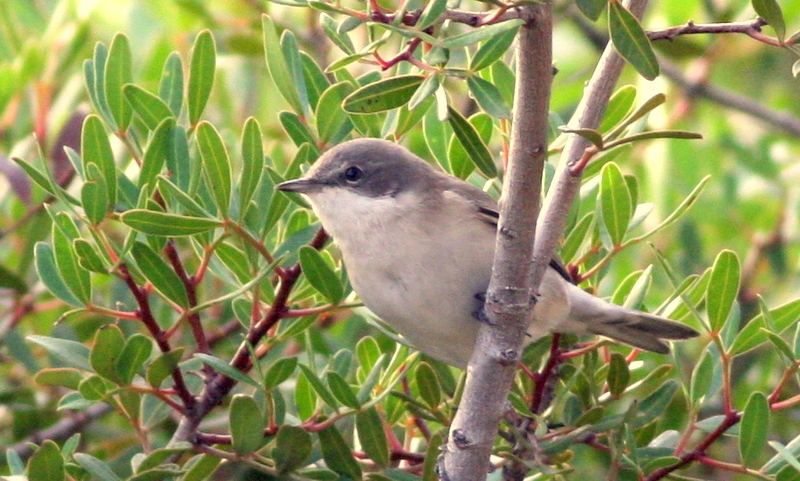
(643, 330)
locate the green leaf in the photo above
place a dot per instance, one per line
(247, 425)
(94, 195)
(149, 107)
(424, 91)
(279, 371)
(170, 89)
(318, 387)
(46, 463)
(618, 375)
(50, 275)
(163, 366)
(630, 41)
(331, 118)
(117, 74)
(293, 446)
(168, 225)
(484, 33)
(592, 8)
(342, 391)
(619, 106)
(107, 348)
(723, 288)
(591, 135)
(473, 144)
(252, 162)
(614, 206)
(201, 467)
(277, 66)
(291, 53)
(157, 150)
(94, 388)
(337, 454)
(76, 277)
(160, 274)
(320, 275)
(372, 436)
(754, 428)
(654, 405)
(96, 149)
(59, 376)
(383, 95)
(315, 79)
(297, 129)
(431, 14)
(135, 353)
(202, 67)
(702, 377)
(770, 11)
(492, 50)
(225, 368)
(94, 75)
(95, 467)
(428, 384)
(69, 352)
(159, 456)
(488, 97)
(436, 137)
(304, 397)
(338, 38)
(216, 163)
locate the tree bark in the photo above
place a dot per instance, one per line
(508, 301)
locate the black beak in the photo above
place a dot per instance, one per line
(301, 185)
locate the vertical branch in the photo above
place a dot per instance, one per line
(491, 369)
(567, 181)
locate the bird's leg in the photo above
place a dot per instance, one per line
(480, 312)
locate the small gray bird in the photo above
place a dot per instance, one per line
(419, 244)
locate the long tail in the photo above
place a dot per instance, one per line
(635, 328)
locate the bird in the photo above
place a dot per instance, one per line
(418, 246)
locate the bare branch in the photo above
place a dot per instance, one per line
(751, 28)
(781, 119)
(62, 430)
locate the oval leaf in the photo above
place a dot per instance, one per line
(473, 144)
(337, 454)
(149, 107)
(723, 288)
(614, 206)
(247, 425)
(293, 445)
(117, 74)
(320, 275)
(216, 164)
(492, 50)
(163, 224)
(202, 67)
(488, 97)
(754, 429)
(383, 95)
(372, 436)
(160, 274)
(630, 41)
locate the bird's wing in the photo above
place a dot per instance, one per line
(486, 208)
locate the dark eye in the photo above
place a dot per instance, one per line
(353, 174)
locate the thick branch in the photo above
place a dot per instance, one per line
(567, 182)
(491, 369)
